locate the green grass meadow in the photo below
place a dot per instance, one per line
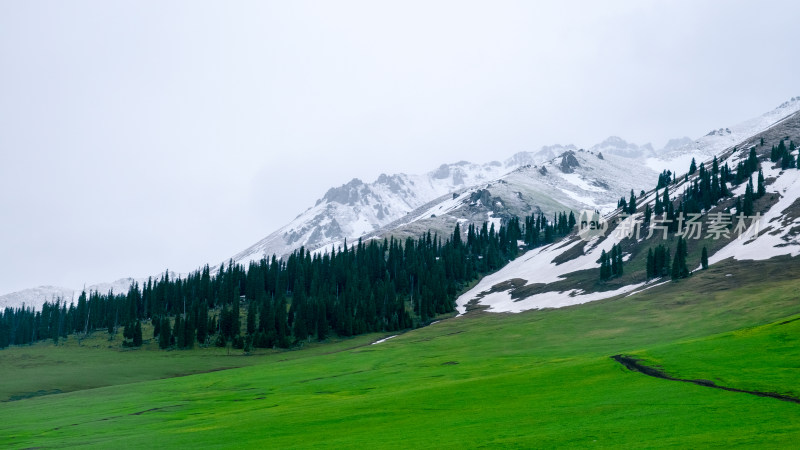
(535, 379)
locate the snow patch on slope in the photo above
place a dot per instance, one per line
(774, 237)
(502, 301)
(537, 266)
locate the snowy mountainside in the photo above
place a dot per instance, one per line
(357, 208)
(676, 157)
(565, 273)
(574, 180)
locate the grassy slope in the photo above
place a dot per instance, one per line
(756, 358)
(42, 369)
(540, 378)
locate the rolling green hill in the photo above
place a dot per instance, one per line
(535, 379)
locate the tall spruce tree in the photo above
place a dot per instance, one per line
(632, 203)
(679, 266)
(761, 188)
(704, 258)
(164, 333)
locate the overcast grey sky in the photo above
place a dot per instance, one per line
(139, 136)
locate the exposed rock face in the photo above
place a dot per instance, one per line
(347, 194)
(394, 182)
(482, 195)
(569, 162)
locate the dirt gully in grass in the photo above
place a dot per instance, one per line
(636, 366)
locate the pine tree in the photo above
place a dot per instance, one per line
(752, 161)
(679, 267)
(137, 334)
(281, 333)
(650, 264)
(322, 322)
(179, 331)
(704, 258)
(788, 160)
(156, 327)
(164, 334)
(605, 269)
(747, 203)
(761, 188)
(188, 332)
(632, 203)
(299, 328)
(659, 207)
(693, 167)
(202, 323)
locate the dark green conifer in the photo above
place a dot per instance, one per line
(704, 258)
(761, 188)
(164, 334)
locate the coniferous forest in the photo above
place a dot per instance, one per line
(384, 285)
(370, 286)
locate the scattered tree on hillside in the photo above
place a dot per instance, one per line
(704, 258)
(679, 267)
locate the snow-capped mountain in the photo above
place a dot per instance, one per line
(556, 275)
(357, 208)
(554, 178)
(574, 180)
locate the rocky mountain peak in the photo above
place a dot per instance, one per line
(568, 162)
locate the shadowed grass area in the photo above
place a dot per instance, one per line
(536, 379)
